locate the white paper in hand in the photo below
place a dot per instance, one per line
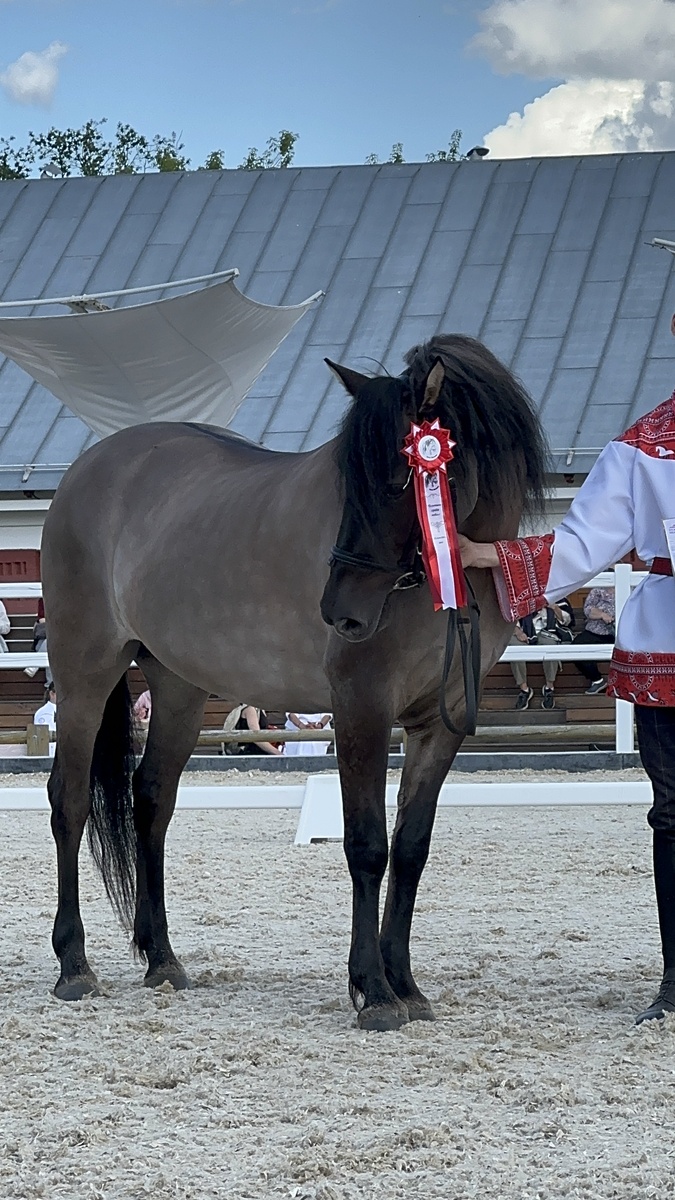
(669, 526)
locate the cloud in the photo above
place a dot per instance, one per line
(32, 79)
(617, 60)
(581, 39)
(590, 116)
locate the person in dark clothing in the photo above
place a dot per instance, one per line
(600, 628)
(255, 718)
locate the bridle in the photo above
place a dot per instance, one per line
(413, 575)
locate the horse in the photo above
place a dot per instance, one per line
(281, 579)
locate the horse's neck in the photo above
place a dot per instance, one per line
(487, 523)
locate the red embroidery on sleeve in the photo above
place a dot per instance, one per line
(654, 434)
(526, 566)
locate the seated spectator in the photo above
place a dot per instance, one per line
(40, 641)
(548, 627)
(143, 708)
(254, 719)
(306, 721)
(46, 715)
(4, 628)
(599, 628)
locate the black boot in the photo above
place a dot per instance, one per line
(663, 1003)
(664, 882)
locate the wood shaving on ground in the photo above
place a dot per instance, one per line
(535, 936)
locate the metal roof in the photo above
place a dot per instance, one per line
(543, 259)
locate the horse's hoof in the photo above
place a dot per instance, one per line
(171, 973)
(382, 1018)
(420, 1010)
(77, 987)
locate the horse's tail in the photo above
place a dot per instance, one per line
(110, 828)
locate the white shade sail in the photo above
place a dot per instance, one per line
(191, 357)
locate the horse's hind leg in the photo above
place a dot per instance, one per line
(81, 707)
(175, 722)
(429, 755)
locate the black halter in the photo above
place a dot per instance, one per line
(413, 575)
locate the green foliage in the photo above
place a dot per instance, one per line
(86, 151)
(452, 154)
(15, 161)
(167, 153)
(215, 161)
(279, 152)
(395, 156)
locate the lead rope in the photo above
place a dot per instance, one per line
(471, 656)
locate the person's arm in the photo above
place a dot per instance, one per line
(295, 720)
(251, 717)
(596, 532)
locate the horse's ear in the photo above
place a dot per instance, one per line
(432, 389)
(353, 381)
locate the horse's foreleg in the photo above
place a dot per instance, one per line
(177, 713)
(362, 748)
(429, 754)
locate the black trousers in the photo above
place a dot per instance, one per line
(656, 742)
(591, 670)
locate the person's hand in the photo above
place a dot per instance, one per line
(477, 554)
(560, 616)
(520, 634)
(607, 618)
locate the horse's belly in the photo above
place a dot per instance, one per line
(275, 664)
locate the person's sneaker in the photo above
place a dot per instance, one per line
(663, 1003)
(600, 685)
(524, 698)
(547, 697)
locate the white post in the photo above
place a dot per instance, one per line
(625, 738)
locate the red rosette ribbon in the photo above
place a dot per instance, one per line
(429, 449)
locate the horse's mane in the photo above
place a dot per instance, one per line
(487, 410)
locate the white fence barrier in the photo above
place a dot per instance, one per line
(622, 579)
(321, 813)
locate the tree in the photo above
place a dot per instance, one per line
(15, 161)
(395, 156)
(167, 153)
(452, 154)
(215, 161)
(279, 152)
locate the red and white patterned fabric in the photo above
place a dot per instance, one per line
(621, 506)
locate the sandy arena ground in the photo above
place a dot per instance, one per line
(535, 936)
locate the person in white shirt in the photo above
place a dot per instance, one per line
(306, 721)
(46, 715)
(4, 628)
(627, 502)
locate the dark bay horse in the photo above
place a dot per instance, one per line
(205, 558)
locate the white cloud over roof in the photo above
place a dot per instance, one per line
(617, 60)
(32, 79)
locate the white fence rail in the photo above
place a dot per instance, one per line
(622, 579)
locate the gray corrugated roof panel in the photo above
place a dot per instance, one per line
(620, 370)
(591, 324)
(520, 277)
(471, 299)
(543, 258)
(655, 385)
(440, 266)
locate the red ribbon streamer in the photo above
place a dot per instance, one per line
(429, 448)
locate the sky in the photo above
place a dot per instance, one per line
(350, 77)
